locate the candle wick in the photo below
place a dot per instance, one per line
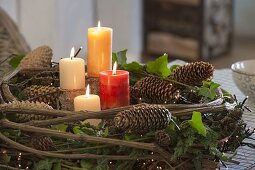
(78, 52)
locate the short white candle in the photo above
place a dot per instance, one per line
(72, 72)
(88, 102)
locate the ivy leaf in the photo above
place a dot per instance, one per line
(184, 142)
(173, 67)
(120, 57)
(129, 136)
(102, 164)
(57, 166)
(196, 123)
(14, 62)
(224, 157)
(77, 130)
(60, 127)
(120, 165)
(159, 66)
(5, 158)
(88, 131)
(45, 164)
(134, 66)
(106, 132)
(208, 90)
(87, 163)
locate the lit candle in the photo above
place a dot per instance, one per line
(99, 50)
(114, 88)
(72, 72)
(89, 102)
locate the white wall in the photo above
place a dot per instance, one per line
(11, 7)
(36, 22)
(245, 18)
(124, 16)
(63, 23)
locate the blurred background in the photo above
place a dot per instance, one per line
(221, 31)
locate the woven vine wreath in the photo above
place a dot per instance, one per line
(179, 119)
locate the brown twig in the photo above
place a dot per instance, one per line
(184, 162)
(20, 84)
(71, 156)
(86, 138)
(70, 116)
(10, 167)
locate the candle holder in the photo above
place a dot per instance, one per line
(94, 85)
(66, 98)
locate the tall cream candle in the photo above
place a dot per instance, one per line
(99, 50)
(72, 72)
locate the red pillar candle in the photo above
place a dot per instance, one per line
(114, 88)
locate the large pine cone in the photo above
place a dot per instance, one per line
(45, 94)
(193, 73)
(21, 118)
(142, 119)
(155, 90)
(43, 143)
(162, 138)
(38, 58)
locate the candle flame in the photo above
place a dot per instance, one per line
(114, 70)
(87, 91)
(72, 53)
(98, 25)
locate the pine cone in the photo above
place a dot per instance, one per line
(162, 138)
(155, 90)
(44, 81)
(193, 73)
(43, 143)
(48, 94)
(142, 119)
(236, 114)
(21, 118)
(38, 58)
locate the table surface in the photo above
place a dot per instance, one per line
(245, 155)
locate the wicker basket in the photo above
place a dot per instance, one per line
(11, 41)
(7, 95)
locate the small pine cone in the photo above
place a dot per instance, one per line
(155, 90)
(142, 119)
(21, 118)
(193, 73)
(218, 117)
(230, 127)
(38, 58)
(45, 94)
(44, 81)
(236, 114)
(43, 143)
(162, 138)
(226, 120)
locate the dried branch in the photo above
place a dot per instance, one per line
(71, 116)
(83, 137)
(10, 167)
(71, 156)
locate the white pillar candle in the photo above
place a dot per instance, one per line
(72, 72)
(88, 102)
